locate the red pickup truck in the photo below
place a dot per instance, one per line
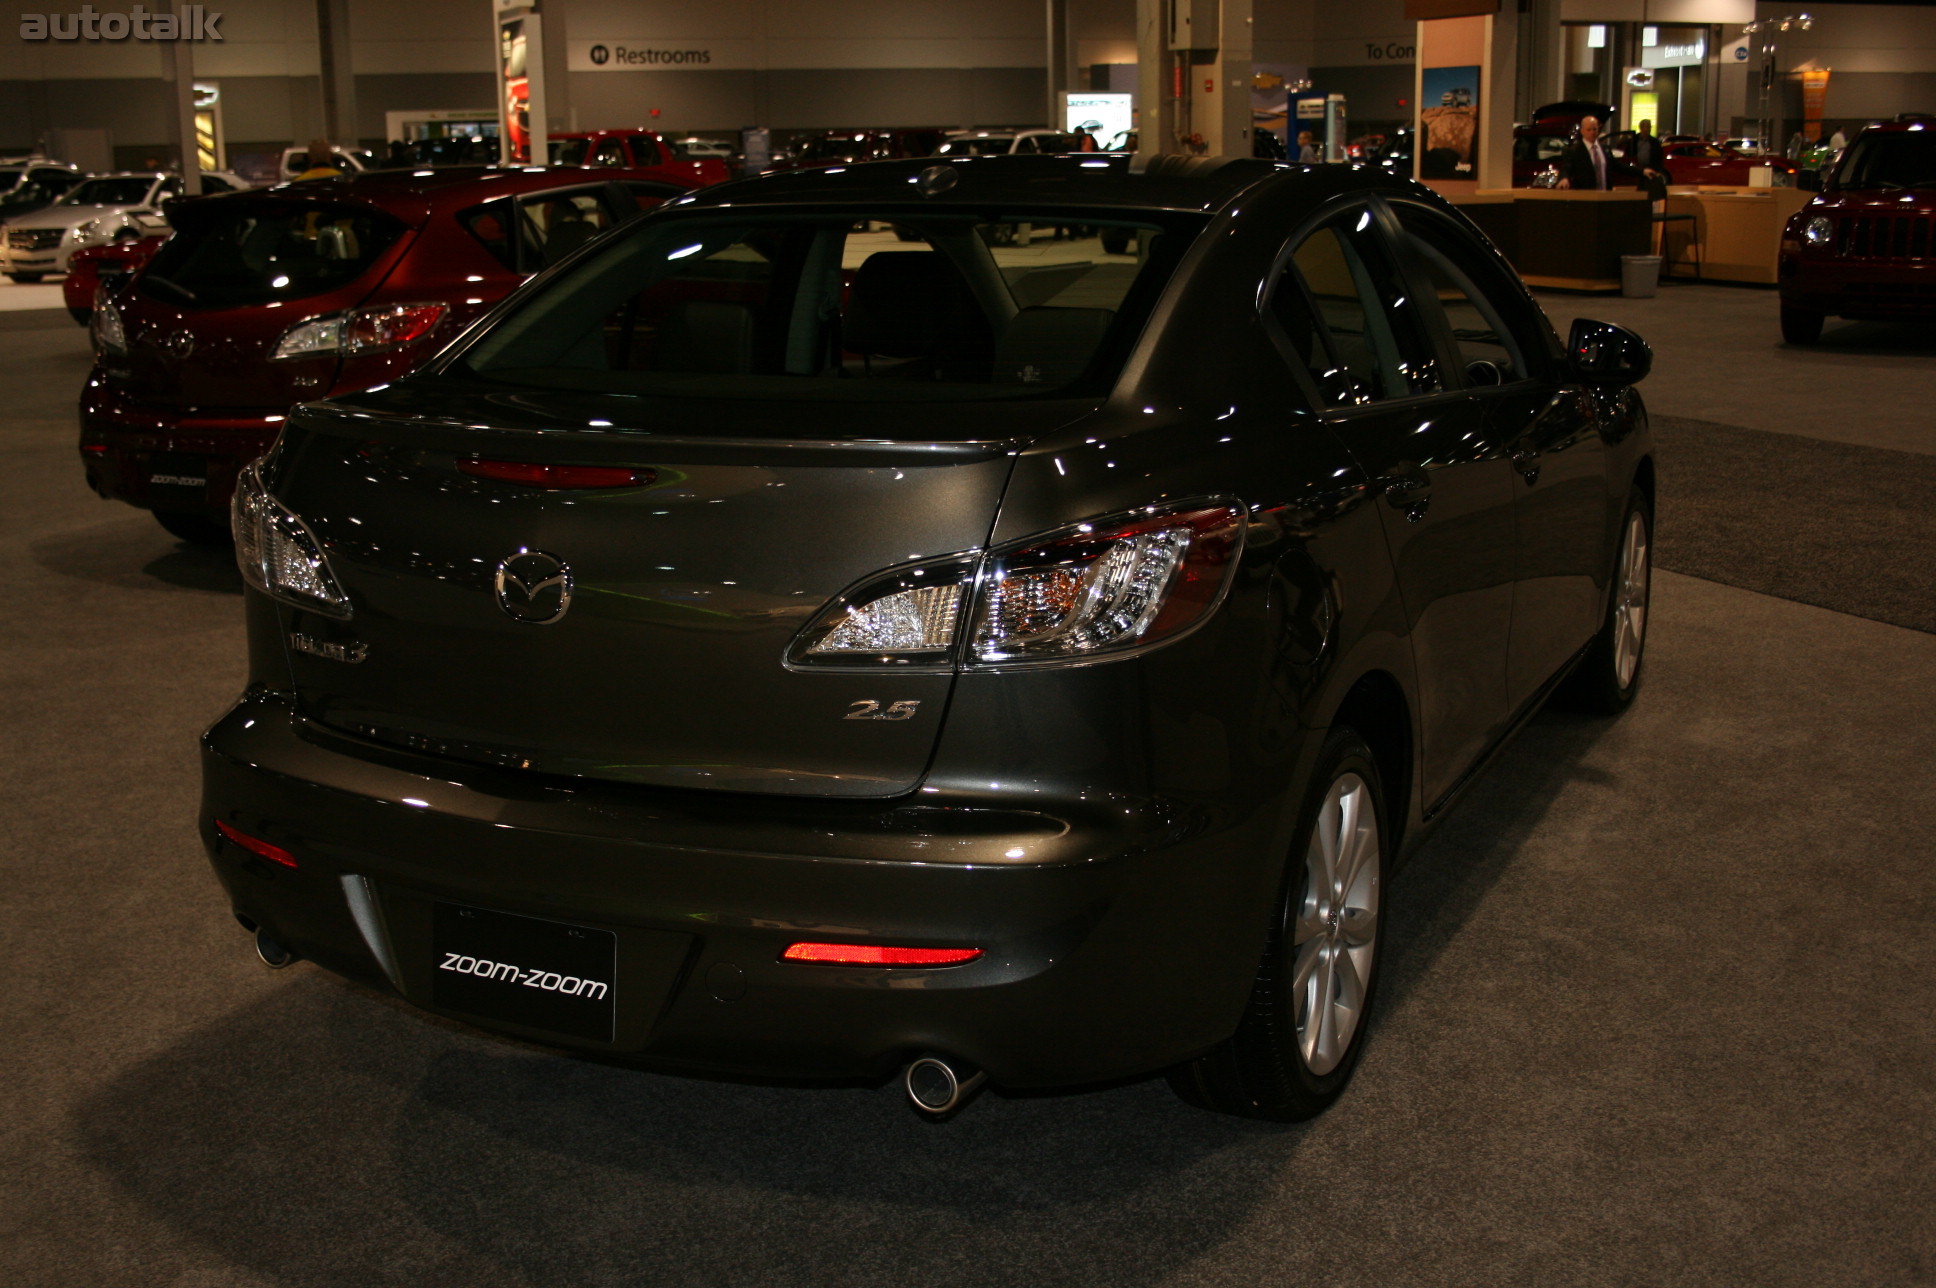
(639, 151)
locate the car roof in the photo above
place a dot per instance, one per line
(1913, 124)
(1075, 178)
(416, 193)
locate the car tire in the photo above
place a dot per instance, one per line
(195, 529)
(1306, 1024)
(1800, 326)
(83, 316)
(1609, 675)
(26, 279)
(1115, 241)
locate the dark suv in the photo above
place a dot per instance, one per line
(1865, 246)
(768, 648)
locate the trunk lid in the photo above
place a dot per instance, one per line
(667, 667)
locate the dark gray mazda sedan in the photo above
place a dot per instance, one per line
(851, 622)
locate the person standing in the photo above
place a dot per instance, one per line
(322, 162)
(1307, 149)
(1646, 155)
(1587, 163)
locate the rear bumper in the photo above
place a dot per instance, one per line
(121, 443)
(1875, 291)
(1123, 939)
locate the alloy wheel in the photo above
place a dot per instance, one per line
(1630, 603)
(1336, 930)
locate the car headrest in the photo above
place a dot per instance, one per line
(905, 304)
(711, 336)
(1049, 346)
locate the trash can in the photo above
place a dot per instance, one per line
(1639, 276)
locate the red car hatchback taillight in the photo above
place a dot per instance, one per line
(387, 326)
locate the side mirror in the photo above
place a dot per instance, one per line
(1600, 353)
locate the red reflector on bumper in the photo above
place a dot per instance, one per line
(556, 477)
(877, 955)
(273, 853)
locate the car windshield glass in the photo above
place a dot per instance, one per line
(1905, 160)
(255, 252)
(930, 306)
(9, 179)
(110, 192)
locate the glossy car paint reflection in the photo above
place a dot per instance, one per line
(1112, 835)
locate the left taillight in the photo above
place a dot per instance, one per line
(277, 553)
(1097, 589)
(109, 333)
(370, 330)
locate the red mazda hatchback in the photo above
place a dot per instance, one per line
(268, 298)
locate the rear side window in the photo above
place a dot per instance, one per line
(818, 307)
(1343, 309)
(528, 233)
(250, 253)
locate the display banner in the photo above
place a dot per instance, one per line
(1814, 99)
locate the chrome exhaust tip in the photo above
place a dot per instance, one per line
(271, 950)
(938, 1087)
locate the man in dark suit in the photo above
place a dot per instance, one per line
(1646, 155)
(1587, 163)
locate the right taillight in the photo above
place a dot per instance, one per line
(1105, 587)
(1094, 589)
(370, 330)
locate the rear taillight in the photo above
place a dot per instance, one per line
(256, 846)
(107, 328)
(277, 553)
(1106, 586)
(877, 955)
(557, 477)
(1101, 588)
(387, 326)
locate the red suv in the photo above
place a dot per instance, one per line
(1865, 247)
(640, 151)
(268, 298)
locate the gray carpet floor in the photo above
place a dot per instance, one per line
(1657, 1007)
(1838, 525)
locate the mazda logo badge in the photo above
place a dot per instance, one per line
(534, 587)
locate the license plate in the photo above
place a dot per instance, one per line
(176, 477)
(524, 970)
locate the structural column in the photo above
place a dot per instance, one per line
(179, 66)
(338, 72)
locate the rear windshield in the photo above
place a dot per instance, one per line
(836, 305)
(1905, 160)
(254, 252)
(110, 192)
(569, 151)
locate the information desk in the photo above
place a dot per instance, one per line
(1561, 238)
(1737, 231)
